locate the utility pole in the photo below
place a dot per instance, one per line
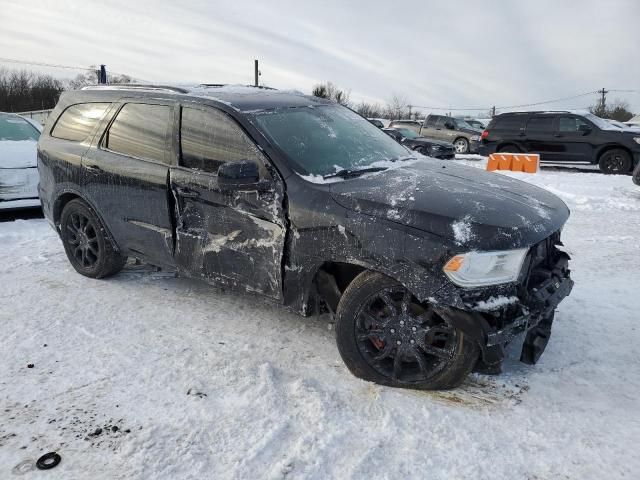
(493, 111)
(256, 71)
(409, 110)
(603, 100)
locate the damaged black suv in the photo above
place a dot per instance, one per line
(430, 268)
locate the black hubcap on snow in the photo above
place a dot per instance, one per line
(83, 240)
(402, 339)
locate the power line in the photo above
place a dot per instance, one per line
(510, 106)
(69, 67)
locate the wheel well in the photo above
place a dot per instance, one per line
(60, 203)
(332, 279)
(508, 144)
(461, 138)
(608, 148)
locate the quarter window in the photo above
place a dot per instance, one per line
(141, 130)
(510, 122)
(209, 138)
(540, 125)
(78, 121)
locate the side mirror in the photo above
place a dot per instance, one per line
(584, 129)
(242, 175)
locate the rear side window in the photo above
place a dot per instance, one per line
(141, 130)
(78, 121)
(540, 125)
(209, 138)
(431, 121)
(510, 122)
(17, 129)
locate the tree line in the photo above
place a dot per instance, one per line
(24, 91)
(397, 107)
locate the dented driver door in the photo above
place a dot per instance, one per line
(228, 236)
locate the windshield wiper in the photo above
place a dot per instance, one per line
(348, 173)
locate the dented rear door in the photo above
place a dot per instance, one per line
(227, 237)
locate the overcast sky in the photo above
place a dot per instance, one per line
(435, 53)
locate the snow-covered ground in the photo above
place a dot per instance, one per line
(201, 383)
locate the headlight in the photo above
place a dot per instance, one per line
(477, 269)
(636, 139)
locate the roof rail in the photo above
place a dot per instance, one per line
(218, 85)
(135, 86)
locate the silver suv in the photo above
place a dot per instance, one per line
(464, 137)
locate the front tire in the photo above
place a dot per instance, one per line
(386, 336)
(615, 161)
(86, 244)
(461, 145)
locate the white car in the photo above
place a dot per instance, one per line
(18, 162)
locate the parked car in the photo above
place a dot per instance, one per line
(623, 126)
(18, 162)
(376, 122)
(463, 136)
(564, 136)
(634, 122)
(411, 124)
(426, 269)
(430, 148)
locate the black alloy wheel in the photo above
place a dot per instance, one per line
(386, 335)
(615, 161)
(403, 340)
(89, 250)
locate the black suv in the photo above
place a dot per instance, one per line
(564, 136)
(427, 269)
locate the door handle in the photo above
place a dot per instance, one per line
(187, 192)
(557, 135)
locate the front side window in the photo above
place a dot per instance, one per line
(78, 121)
(323, 140)
(570, 124)
(405, 132)
(141, 130)
(441, 121)
(209, 138)
(540, 125)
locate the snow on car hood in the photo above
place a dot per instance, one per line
(21, 154)
(478, 209)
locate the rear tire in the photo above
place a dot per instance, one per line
(616, 161)
(461, 145)
(508, 149)
(375, 313)
(86, 243)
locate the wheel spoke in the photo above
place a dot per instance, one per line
(388, 301)
(422, 361)
(406, 302)
(384, 353)
(397, 365)
(435, 351)
(426, 316)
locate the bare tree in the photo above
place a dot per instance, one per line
(617, 110)
(397, 107)
(331, 91)
(90, 77)
(21, 91)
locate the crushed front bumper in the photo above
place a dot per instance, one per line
(529, 307)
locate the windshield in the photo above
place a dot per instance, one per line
(17, 129)
(323, 140)
(408, 133)
(599, 122)
(462, 124)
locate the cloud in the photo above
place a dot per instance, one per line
(448, 54)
